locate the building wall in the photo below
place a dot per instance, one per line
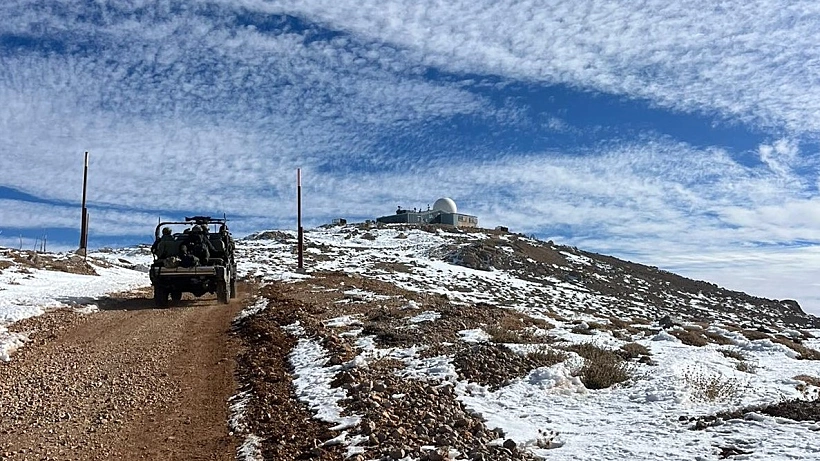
(431, 217)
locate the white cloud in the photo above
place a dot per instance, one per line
(188, 111)
(745, 60)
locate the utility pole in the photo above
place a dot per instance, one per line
(300, 237)
(84, 226)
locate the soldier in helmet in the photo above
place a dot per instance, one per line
(198, 243)
(163, 247)
(187, 259)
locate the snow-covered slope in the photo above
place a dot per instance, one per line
(514, 271)
(709, 350)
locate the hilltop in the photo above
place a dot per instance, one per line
(426, 343)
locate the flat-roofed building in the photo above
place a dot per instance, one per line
(444, 211)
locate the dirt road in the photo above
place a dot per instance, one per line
(128, 382)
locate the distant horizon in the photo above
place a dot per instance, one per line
(808, 308)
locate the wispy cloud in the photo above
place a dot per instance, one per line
(744, 60)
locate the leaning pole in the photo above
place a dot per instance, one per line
(84, 224)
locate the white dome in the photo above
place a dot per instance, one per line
(446, 205)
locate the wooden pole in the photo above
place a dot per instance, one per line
(84, 225)
(299, 217)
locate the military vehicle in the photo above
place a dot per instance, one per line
(177, 267)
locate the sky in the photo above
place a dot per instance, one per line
(682, 136)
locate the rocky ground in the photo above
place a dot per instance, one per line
(127, 382)
(401, 417)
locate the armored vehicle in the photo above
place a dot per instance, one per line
(193, 256)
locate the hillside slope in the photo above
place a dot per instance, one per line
(428, 344)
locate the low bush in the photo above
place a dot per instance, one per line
(711, 387)
(633, 351)
(754, 335)
(689, 337)
(746, 367)
(716, 338)
(806, 353)
(732, 354)
(503, 335)
(547, 356)
(601, 368)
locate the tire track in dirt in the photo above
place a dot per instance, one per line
(128, 382)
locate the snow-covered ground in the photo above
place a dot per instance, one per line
(550, 412)
(27, 292)
(549, 407)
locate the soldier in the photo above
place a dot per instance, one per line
(227, 239)
(187, 259)
(163, 247)
(199, 244)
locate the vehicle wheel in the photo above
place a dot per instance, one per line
(233, 288)
(176, 296)
(223, 293)
(160, 296)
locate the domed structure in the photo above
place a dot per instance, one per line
(446, 205)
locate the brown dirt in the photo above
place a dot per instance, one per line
(128, 382)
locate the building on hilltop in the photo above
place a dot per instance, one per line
(444, 211)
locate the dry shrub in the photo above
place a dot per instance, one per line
(806, 353)
(746, 367)
(601, 368)
(689, 337)
(547, 356)
(732, 354)
(754, 335)
(626, 328)
(515, 328)
(579, 330)
(811, 380)
(711, 387)
(633, 351)
(503, 335)
(540, 323)
(716, 338)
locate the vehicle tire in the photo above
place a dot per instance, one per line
(160, 296)
(233, 288)
(223, 293)
(176, 296)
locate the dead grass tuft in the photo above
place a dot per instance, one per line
(711, 387)
(716, 338)
(602, 368)
(634, 350)
(547, 356)
(806, 353)
(732, 354)
(690, 337)
(500, 334)
(754, 335)
(810, 380)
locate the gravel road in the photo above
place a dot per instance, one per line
(127, 382)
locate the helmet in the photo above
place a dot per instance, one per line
(166, 231)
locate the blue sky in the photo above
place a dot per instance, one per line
(683, 136)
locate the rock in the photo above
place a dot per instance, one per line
(509, 444)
